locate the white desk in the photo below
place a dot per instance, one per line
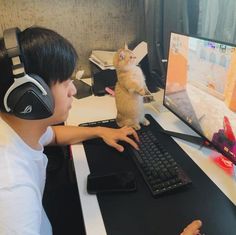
(95, 108)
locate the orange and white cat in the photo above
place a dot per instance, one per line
(129, 90)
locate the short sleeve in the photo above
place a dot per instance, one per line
(47, 137)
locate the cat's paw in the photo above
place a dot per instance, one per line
(145, 122)
(136, 127)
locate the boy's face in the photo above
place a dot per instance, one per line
(63, 95)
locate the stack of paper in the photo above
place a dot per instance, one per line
(103, 59)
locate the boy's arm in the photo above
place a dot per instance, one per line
(64, 135)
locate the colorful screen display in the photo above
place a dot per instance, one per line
(201, 89)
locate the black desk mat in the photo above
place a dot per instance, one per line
(139, 213)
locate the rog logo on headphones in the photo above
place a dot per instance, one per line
(28, 109)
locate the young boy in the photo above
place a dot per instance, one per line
(44, 60)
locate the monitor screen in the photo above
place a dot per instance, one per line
(201, 89)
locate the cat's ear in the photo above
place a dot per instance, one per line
(126, 46)
(122, 55)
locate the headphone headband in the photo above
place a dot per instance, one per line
(11, 42)
(13, 50)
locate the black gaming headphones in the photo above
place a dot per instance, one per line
(29, 97)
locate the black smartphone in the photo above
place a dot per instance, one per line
(114, 182)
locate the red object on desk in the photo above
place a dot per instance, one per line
(223, 163)
(228, 130)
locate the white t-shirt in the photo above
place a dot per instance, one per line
(22, 181)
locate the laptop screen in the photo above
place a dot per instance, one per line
(201, 89)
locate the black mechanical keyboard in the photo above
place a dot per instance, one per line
(159, 169)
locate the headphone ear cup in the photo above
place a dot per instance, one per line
(28, 102)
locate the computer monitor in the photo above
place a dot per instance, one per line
(201, 89)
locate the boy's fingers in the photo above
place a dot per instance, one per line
(118, 147)
(193, 228)
(132, 132)
(131, 142)
(195, 225)
(135, 135)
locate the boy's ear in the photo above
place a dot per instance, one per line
(126, 46)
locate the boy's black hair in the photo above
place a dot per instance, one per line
(44, 53)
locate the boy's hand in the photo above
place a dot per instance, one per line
(112, 136)
(193, 228)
